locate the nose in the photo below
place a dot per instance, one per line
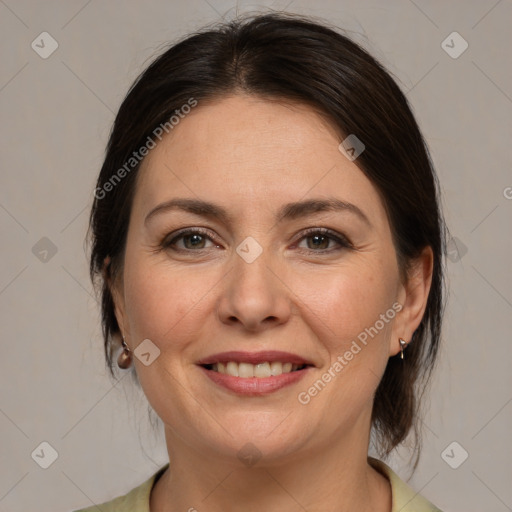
(254, 295)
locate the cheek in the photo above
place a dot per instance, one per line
(347, 319)
(164, 302)
(345, 303)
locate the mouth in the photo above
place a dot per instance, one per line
(260, 371)
(256, 373)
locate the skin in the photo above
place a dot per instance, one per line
(308, 296)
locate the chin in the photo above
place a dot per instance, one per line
(254, 440)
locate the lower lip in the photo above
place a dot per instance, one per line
(255, 385)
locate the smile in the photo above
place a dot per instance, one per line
(255, 373)
(260, 371)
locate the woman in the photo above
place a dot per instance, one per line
(269, 246)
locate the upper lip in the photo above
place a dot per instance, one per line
(255, 357)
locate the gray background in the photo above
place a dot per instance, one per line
(56, 115)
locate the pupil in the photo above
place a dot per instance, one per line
(317, 238)
(195, 238)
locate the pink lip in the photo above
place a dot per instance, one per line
(255, 358)
(254, 386)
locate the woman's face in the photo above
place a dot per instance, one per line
(260, 278)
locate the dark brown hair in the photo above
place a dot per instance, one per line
(290, 57)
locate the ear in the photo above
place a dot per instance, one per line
(115, 285)
(412, 295)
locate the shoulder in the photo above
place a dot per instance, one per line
(137, 500)
(405, 499)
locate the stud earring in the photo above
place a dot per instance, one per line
(403, 344)
(124, 359)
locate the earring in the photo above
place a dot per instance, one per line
(124, 359)
(403, 344)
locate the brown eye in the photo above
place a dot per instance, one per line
(321, 238)
(319, 241)
(193, 240)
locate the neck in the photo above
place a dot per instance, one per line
(329, 478)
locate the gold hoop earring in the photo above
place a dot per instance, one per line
(403, 345)
(124, 359)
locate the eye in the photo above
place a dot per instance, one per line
(193, 239)
(322, 237)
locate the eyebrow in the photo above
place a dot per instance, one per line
(289, 211)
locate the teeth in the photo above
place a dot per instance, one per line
(245, 370)
(262, 370)
(248, 370)
(231, 369)
(276, 368)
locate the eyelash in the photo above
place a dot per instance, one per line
(342, 241)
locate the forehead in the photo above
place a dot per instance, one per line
(247, 152)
